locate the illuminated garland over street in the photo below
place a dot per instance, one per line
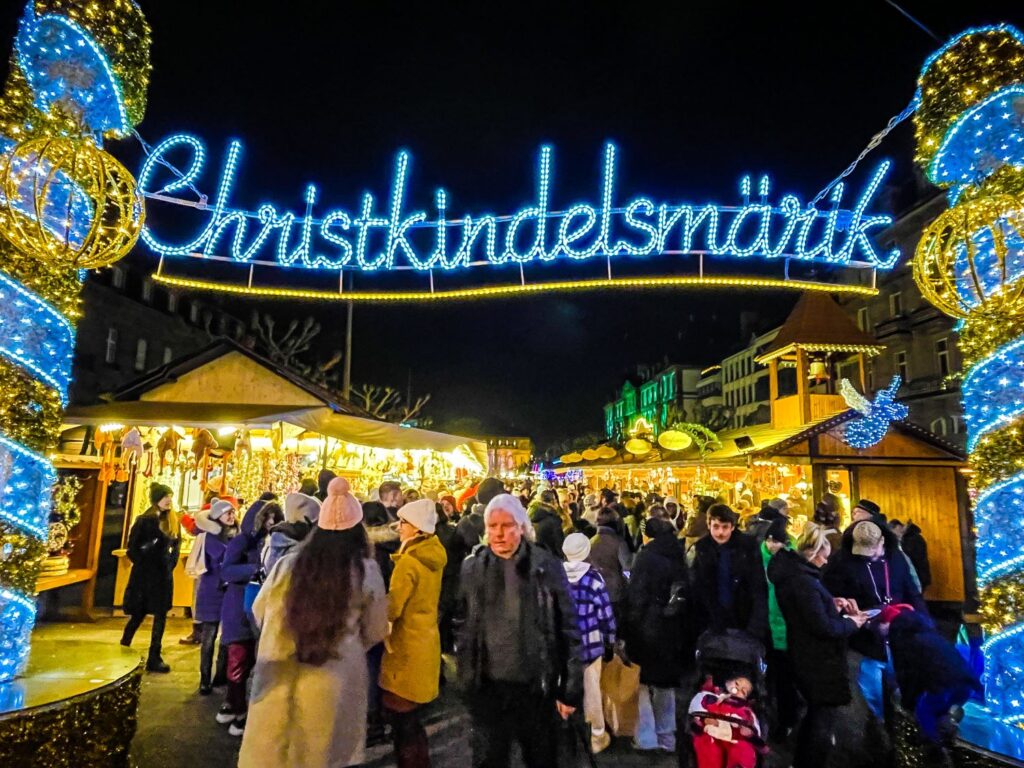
(969, 263)
(79, 73)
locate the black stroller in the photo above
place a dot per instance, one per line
(722, 656)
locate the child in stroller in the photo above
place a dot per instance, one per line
(725, 725)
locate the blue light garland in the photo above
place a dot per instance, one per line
(17, 617)
(388, 240)
(25, 481)
(35, 336)
(63, 63)
(992, 392)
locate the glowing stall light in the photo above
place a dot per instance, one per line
(35, 336)
(396, 238)
(875, 417)
(992, 392)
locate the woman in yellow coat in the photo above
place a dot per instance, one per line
(411, 668)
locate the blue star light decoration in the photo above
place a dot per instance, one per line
(875, 417)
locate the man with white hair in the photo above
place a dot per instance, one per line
(519, 645)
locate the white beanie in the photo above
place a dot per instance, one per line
(298, 506)
(219, 508)
(422, 514)
(576, 547)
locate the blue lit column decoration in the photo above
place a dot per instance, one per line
(969, 263)
(78, 75)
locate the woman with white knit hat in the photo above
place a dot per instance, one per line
(322, 605)
(411, 668)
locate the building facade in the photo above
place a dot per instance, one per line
(508, 456)
(920, 340)
(131, 325)
(659, 396)
(745, 383)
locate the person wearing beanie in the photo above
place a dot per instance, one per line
(153, 545)
(300, 510)
(217, 526)
(317, 613)
(655, 631)
(519, 655)
(771, 511)
(547, 522)
(596, 622)
(780, 673)
(874, 572)
(411, 667)
(242, 564)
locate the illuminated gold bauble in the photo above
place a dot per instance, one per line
(638, 447)
(590, 455)
(68, 201)
(968, 259)
(958, 77)
(674, 440)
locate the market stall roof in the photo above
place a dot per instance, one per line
(759, 441)
(383, 434)
(178, 369)
(817, 324)
(156, 413)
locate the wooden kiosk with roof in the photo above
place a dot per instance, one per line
(806, 451)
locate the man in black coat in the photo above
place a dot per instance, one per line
(916, 548)
(518, 642)
(729, 587)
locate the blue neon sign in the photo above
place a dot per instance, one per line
(375, 237)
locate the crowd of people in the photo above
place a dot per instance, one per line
(566, 612)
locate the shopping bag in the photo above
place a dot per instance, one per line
(620, 695)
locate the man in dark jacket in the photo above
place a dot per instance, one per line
(519, 645)
(872, 570)
(729, 587)
(776, 509)
(655, 631)
(610, 555)
(547, 523)
(470, 529)
(916, 548)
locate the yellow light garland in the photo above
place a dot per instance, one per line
(501, 291)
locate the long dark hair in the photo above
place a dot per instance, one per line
(326, 566)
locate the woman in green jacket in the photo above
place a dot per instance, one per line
(780, 674)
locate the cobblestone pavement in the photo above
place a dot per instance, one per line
(177, 727)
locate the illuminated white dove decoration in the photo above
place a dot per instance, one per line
(875, 417)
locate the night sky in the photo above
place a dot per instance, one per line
(694, 94)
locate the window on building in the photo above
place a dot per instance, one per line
(942, 357)
(901, 366)
(140, 355)
(958, 423)
(147, 291)
(111, 354)
(117, 277)
(168, 355)
(863, 321)
(172, 302)
(895, 304)
(939, 426)
(193, 312)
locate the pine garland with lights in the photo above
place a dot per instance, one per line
(969, 264)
